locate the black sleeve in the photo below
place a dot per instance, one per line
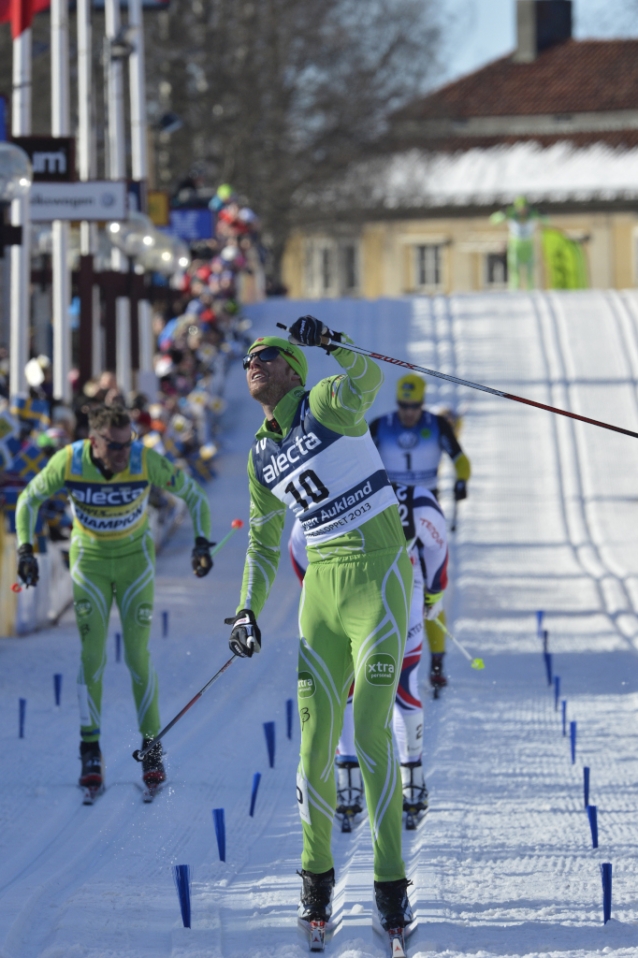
(374, 429)
(447, 440)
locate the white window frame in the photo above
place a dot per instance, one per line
(319, 252)
(434, 282)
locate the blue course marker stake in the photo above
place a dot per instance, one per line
(548, 666)
(22, 714)
(556, 691)
(564, 711)
(586, 785)
(269, 732)
(592, 814)
(220, 832)
(545, 640)
(572, 740)
(164, 624)
(605, 869)
(253, 794)
(118, 646)
(539, 622)
(182, 879)
(57, 688)
(289, 708)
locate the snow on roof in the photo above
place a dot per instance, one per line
(484, 177)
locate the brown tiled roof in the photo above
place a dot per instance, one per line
(573, 77)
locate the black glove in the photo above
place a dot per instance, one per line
(307, 331)
(245, 638)
(460, 490)
(28, 565)
(201, 559)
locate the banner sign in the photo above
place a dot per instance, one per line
(565, 261)
(95, 200)
(190, 225)
(52, 157)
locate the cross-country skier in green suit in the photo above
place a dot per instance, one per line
(314, 454)
(108, 478)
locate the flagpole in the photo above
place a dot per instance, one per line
(90, 327)
(117, 171)
(60, 126)
(20, 255)
(146, 381)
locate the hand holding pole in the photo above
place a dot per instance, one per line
(486, 389)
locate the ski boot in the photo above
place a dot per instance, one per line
(415, 793)
(394, 913)
(349, 790)
(153, 772)
(315, 906)
(92, 773)
(438, 680)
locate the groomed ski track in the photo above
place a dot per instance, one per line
(503, 864)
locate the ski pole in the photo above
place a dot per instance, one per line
(140, 753)
(475, 663)
(454, 516)
(486, 389)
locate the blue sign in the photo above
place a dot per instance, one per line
(190, 225)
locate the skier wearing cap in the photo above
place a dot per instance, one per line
(411, 441)
(108, 479)
(314, 454)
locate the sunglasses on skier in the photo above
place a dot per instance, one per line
(409, 405)
(267, 355)
(117, 446)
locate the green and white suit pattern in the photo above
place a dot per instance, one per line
(112, 555)
(355, 599)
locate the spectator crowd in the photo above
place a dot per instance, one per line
(198, 331)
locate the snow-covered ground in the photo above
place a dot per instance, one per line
(503, 864)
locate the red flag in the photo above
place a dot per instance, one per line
(21, 13)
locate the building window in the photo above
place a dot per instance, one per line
(349, 268)
(496, 270)
(331, 268)
(428, 265)
(326, 256)
(321, 278)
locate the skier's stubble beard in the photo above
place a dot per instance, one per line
(268, 383)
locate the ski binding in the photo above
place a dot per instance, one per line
(90, 793)
(316, 932)
(396, 937)
(149, 792)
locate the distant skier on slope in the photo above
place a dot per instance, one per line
(411, 441)
(108, 478)
(521, 219)
(426, 533)
(314, 454)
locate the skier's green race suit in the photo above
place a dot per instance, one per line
(355, 598)
(112, 556)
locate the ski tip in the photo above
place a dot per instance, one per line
(237, 524)
(478, 664)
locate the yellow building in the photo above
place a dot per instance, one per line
(555, 121)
